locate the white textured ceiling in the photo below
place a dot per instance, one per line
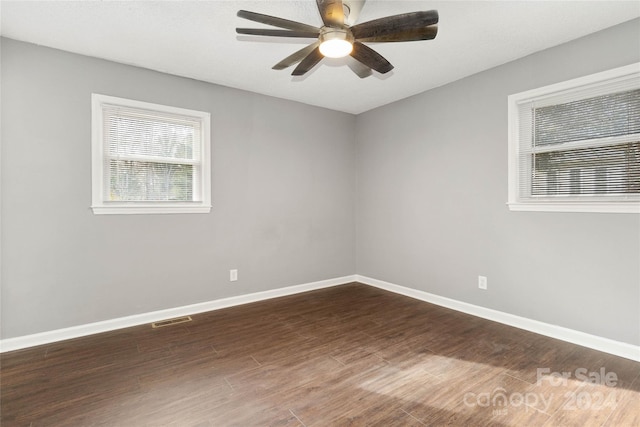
(197, 39)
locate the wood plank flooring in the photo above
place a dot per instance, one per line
(347, 355)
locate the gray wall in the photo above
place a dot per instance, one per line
(283, 198)
(431, 194)
(428, 176)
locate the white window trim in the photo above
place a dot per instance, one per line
(100, 206)
(548, 204)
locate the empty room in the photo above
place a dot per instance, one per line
(320, 213)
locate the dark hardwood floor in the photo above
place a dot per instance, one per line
(348, 355)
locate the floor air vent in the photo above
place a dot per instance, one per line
(170, 322)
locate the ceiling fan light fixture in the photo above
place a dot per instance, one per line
(336, 43)
(338, 37)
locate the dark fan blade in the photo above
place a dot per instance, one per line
(370, 58)
(359, 68)
(276, 22)
(425, 33)
(308, 62)
(394, 24)
(296, 57)
(277, 33)
(331, 12)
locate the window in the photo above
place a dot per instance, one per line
(149, 158)
(575, 146)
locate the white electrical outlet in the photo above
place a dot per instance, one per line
(482, 282)
(233, 275)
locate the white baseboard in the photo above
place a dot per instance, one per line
(617, 348)
(33, 340)
(607, 345)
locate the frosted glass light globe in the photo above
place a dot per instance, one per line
(336, 42)
(335, 48)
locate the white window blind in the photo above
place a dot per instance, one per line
(152, 158)
(576, 146)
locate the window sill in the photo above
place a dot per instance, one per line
(149, 209)
(566, 206)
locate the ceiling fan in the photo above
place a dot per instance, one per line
(336, 39)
